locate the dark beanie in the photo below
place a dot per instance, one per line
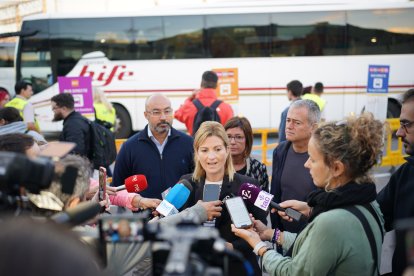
(210, 76)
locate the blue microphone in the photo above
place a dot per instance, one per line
(175, 199)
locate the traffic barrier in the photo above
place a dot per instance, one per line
(118, 143)
(392, 157)
(264, 146)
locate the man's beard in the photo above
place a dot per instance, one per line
(162, 127)
(409, 148)
(57, 117)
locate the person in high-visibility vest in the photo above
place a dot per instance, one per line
(316, 96)
(23, 93)
(104, 111)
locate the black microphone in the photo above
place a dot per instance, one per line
(263, 200)
(77, 215)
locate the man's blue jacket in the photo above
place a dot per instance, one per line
(139, 155)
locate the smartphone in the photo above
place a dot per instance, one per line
(238, 212)
(121, 229)
(211, 192)
(102, 183)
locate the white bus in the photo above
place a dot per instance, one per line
(133, 56)
(7, 70)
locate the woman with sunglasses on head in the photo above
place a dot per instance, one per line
(240, 134)
(345, 225)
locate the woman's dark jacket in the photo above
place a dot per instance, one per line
(223, 223)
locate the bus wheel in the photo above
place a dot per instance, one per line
(393, 109)
(123, 122)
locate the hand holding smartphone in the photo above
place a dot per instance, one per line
(102, 184)
(238, 212)
(211, 192)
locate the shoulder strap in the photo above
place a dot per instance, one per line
(198, 104)
(375, 215)
(215, 104)
(368, 231)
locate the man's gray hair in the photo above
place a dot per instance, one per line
(314, 113)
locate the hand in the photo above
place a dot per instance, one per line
(148, 203)
(194, 94)
(92, 191)
(299, 206)
(104, 203)
(213, 208)
(248, 235)
(265, 233)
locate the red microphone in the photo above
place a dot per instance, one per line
(134, 184)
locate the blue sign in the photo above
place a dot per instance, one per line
(378, 76)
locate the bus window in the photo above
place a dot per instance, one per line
(35, 57)
(7, 73)
(240, 35)
(183, 37)
(146, 36)
(376, 32)
(308, 34)
(72, 38)
(6, 54)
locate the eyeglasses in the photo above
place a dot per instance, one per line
(405, 125)
(157, 113)
(237, 138)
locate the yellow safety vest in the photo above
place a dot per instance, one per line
(103, 114)
(20, 104)
(318, 100)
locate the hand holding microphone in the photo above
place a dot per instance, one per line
(134, 184)
(263, 200)
(300, 206)
(175, 199)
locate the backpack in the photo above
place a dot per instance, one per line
(205, 113)
(102, 145)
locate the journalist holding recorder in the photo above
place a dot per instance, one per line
(213, 166)
(345, 226)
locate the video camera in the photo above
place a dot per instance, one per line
(183, 249)
(17, 171)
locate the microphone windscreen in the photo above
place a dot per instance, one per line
(187, 184)
(178, 195)
(249, 192)
(136, 183)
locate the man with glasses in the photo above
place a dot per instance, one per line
(397, 198)
(75, 128)
(290, 179)
(159, 151)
